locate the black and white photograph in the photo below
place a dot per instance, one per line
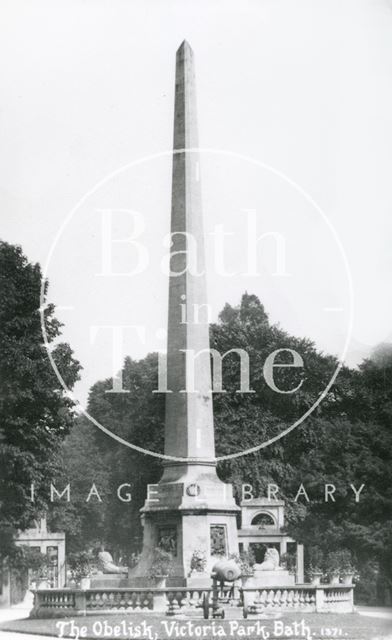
(196, 319)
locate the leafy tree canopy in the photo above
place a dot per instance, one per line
(35, 414)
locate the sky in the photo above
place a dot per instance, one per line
(294, 103)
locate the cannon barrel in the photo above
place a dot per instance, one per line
(226, 570)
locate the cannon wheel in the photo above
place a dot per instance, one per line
(206, 606)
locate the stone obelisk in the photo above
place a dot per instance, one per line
(190, 509)
(189, 429)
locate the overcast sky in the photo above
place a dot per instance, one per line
(301, 86)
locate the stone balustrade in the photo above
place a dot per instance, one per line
(114, 600)
(301, 598)
(59, 603)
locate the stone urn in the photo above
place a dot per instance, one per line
(43, 584)
(347, 579)
(316, 578)
(334, 579)
(85, 583)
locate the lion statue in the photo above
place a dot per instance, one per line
(270, 561)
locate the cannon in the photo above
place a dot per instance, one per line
(223, 571)
(226, 570)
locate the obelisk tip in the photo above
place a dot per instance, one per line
(184, 47)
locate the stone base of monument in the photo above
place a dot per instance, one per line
(275, 578)
(199, 581)
(184, 523)
(109, 581)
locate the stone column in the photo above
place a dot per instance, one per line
(300, 564)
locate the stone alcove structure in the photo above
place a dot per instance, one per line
(262, 526)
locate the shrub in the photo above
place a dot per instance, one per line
(316, 560)
(289, 561)
(346, 561)
(198, 561)
(245, 560)
(25, 557)
(80, 564)
(162, 563)
(333, 562)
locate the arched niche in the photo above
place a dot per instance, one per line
(263, 520)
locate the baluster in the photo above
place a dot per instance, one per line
(270, 598)
(116, 603)
(195, 599)
(173, 604)
(120, 600)
(146, 600)
(257, 606)
(180, 599)
(143, 600)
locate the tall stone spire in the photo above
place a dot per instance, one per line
(190, 507)
(189, 430)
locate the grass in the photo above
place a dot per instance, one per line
(325, 626)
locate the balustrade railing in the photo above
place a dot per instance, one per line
(119, 600)
(193, 601)
(303, 598)
(278, 599)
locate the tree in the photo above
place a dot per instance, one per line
(91, 456)
(35, 413)
(84, 469)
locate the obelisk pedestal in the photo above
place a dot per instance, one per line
(191, 509)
